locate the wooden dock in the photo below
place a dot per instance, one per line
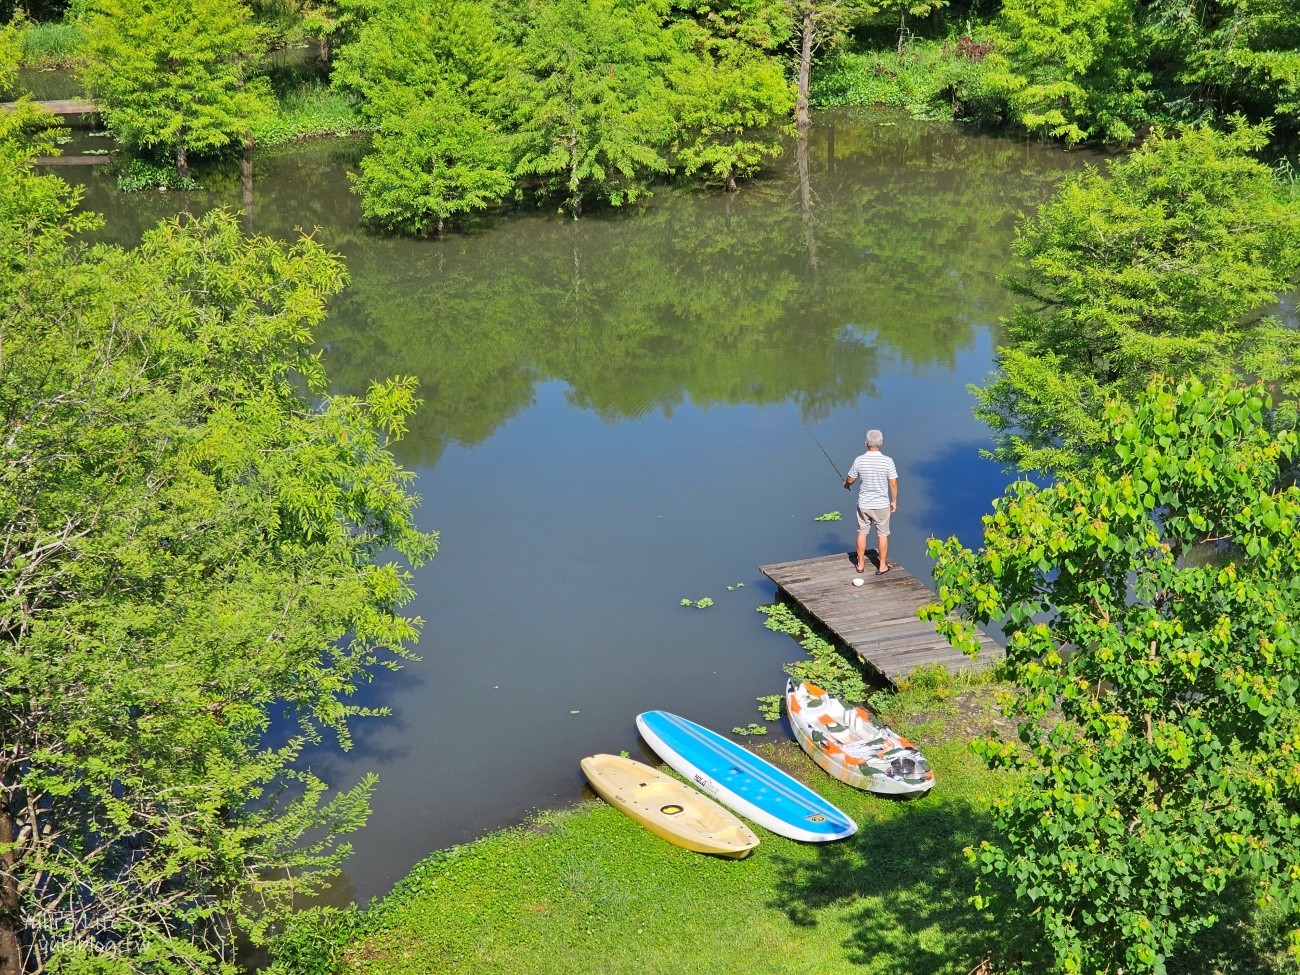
(72, 160)
(876, 620)
(60, 106)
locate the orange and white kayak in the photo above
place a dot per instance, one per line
(668, 808)
(849, 745)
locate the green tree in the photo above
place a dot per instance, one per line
(817, 25)
(11, 52)
(176, 76)
(191, 546)
(431, 163)
(762, 24)
(407, 51)
(1071, 69)
(594, 113)
(1164, 263)
(324, 21)
(1229, 56)
(1151, 613)
(917, 8)
(729, 99)
(38, 214)
(428, 75)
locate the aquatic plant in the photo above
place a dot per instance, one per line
(828, 665)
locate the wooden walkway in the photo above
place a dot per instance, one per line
(61, 106)
(72, 160)
(876, 620)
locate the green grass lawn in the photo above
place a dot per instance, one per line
(587, 890)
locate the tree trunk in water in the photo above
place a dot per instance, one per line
(806, 197)
(575, 199)
(731, 181)
(246, 181)
(801, 115)
(182, 162)
(11, 924)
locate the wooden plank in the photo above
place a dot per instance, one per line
(72, 160)
(876, 620)
(60, 106)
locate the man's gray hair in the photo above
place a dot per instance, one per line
(875, 438)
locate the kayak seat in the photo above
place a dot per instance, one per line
(846, 737)
(860, 742)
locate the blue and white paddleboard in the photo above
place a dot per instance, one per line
(738, 778)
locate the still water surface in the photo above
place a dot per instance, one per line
(619, 414)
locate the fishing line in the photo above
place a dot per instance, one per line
(823, 449)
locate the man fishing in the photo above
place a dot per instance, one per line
(877, 498)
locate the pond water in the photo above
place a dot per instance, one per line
(623, 412)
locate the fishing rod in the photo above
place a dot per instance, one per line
(823, 449)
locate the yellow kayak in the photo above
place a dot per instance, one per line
(668, 808)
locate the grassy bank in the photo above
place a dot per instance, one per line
(931, 80)
(307, 112)
(587, 891)
(56, 44)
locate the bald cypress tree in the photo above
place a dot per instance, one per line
(177, 77)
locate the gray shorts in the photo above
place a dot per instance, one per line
(874, 516)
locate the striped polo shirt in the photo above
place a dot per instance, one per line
(873, 471)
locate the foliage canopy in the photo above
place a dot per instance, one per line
(179, 77)
(1150, 604)
(727, 98)
(1072, 69)
(191, 581)
(10, 54)
(581, 101)
(1164, 263)
(1230, 56)
(593, 101)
